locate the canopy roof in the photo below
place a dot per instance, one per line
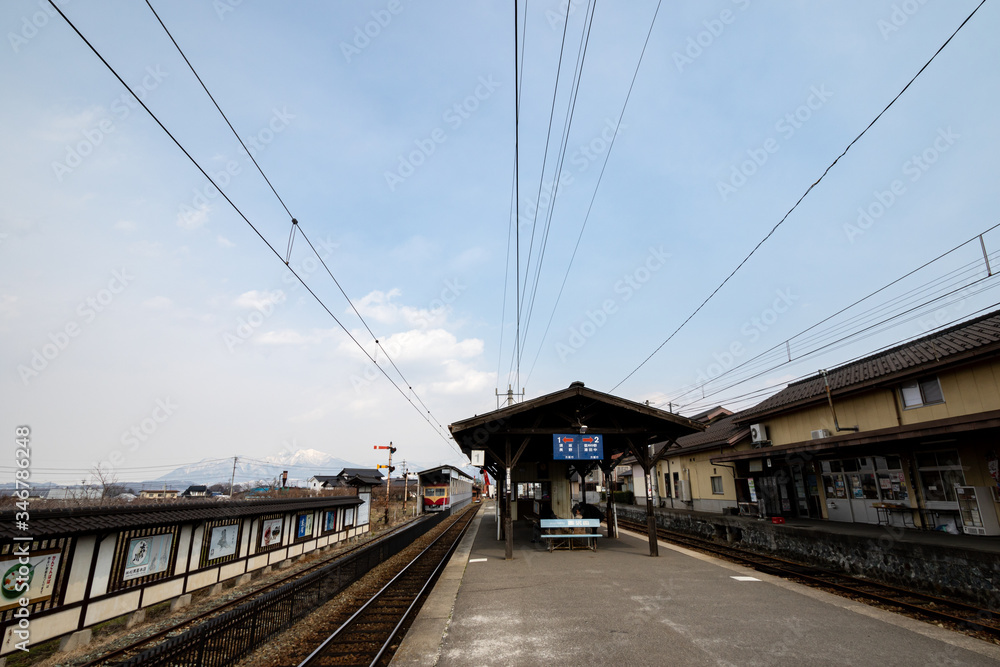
(528, 427)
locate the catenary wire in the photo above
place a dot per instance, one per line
(796, 204)
(593, 197)
(243, 216)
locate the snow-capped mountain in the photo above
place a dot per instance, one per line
(300, 464)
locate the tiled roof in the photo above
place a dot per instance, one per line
(968, 339)
(49, 523)
(718, 433)
(363, 472)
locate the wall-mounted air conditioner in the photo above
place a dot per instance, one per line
(758, 433)
(821, 433)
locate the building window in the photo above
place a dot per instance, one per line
(666, 483)
(717, 486)
(921, 392)
(939, 473)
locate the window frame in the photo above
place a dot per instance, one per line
(722, 486)
(920, 385)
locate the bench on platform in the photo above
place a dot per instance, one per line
(558, 532)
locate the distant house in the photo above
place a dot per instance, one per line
(348, 477)
(72, 493)
(317, 482)
(158, 494)
(199, 491)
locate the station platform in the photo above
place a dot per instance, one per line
(618, 605)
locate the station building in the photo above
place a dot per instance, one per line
(907, 437)
(534, 449)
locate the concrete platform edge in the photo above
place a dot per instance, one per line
(422, 643)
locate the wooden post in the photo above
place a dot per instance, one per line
(654, 549)
(611, 505)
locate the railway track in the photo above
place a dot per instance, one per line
(127, 653)
(964, 617)
(372, 633)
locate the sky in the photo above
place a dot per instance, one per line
(146, 324)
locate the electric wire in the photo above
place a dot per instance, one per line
(796, 204)
(548, 135)
(241, 214)
(294, 222)
(593, 197)
(870, 331)
(857, 302)
(557, 178)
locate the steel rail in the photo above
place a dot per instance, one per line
(151, 640)
(314, 657)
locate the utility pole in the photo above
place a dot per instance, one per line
(233, 478)
(406, 480)
(388, 477)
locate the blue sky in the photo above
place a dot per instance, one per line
(132, 296)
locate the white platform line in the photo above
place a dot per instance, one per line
(477, 560)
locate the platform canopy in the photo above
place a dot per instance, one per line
(524, 431)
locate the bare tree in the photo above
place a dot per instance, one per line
(107, 479)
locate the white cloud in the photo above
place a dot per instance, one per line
(224, 242)
(462, 379)
(378, 305)
(125, 225)
(418, 345)
(259, 299)
(193, 218)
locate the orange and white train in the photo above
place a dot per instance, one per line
(444, 488)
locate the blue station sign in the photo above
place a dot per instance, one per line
(577, 447)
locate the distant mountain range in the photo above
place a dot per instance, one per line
(301, 465)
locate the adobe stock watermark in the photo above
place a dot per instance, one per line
(437, 309)
(582, 157)
(262, 304)
(556, 17)
(900, 16)
(121, 107)
(139, 433)
(87, 311)
(626, 288)
(786, 126)
(914, 169)
(192, 216)
(697, 44)
(455, 116)
(223, 7)
(364, 34)
(30, 25)
(751, 330)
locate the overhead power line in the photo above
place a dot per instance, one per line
(796, 204)
(243, 216)
(597, 186)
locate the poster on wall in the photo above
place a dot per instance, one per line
(330, 523)
(222, 541)
(305, 525)
(34, 580)
(349, 516)
(147, 555)
(271, 532)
